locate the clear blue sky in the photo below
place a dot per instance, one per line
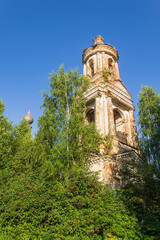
(38, 36)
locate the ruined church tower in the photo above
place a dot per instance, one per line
(110, 106)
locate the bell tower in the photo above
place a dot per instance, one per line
(108, 102)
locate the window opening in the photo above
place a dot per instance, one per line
(118, 122)
(110, 64)
(91, 65)
(90, 115)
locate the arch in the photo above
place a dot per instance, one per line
(119, 111)
(111, 66)
(90, 115)
(119, 120)
(91, 67)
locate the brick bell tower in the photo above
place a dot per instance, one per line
(110, 106)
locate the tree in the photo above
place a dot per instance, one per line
(50, 194)
(149, 121)
(6, 138)
(62, 128)
(22, 148)
(142, 177)
(80, 207)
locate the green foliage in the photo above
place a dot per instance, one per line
(5, 138)
(149, 120)
(84, 49)
(78, 208)
(2, 107)
(106, 73)
(46, 190)
(107, 144)
(4, 236)
(142, 176)
(62, 127)
(22, 145)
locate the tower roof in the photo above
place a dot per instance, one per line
(98, 40)
(100, 46)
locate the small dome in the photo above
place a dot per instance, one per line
(28, 117)
(98, 40)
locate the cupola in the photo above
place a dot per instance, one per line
(28, 117)
(98, 57)
(98, 40)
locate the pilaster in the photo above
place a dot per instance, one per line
(98, 62)
(133, 129)
(128, 130)
(117, 76)
(111, 124)
(98, 113)
(84, 69)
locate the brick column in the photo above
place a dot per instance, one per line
(128, 130)
(133, 129)
(103, 60)
(99, 112)
(84, 70)
(87, 68)
(105, 115)
(116, 71)
(98, 61)
(111, 125)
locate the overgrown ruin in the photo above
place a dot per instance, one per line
(110, 106)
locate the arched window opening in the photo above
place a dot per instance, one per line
(90, 115)
(118, 122)
(119, 126)
(111, 65)
(91, 66)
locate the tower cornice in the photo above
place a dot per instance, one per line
(100, 48)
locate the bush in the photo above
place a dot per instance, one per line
(78, 208)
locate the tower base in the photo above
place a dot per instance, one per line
(108, 166)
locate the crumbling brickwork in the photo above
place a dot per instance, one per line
(111, 103)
